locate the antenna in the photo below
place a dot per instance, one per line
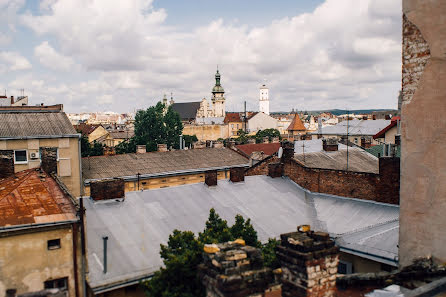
(245, 117)
(348, 117)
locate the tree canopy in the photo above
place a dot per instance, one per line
(183, 253)
(270, 133)
(88, 149)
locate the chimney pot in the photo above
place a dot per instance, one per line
(141, 149)
(330, 144)
(107, 189)
(237, 174)
(210, 178)
(12, 100)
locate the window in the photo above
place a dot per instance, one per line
(59, 283)
(237, 126)
(356, 140)
(232, 126)
(20, 157)
(54, 244)
(345, 267)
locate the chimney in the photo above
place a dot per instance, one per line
(387, 117)
(199, 145)
(162, 147)
(231, 143)
(374, 117)
(210, 178)
(107, 189)
(275, 140)
(6, 163)
(309, 262)
(288, 151)
(330, 144)
(12, 100)
(141, 149)
(275, 170)
(49, 159)
(389, 175)
(265, 139)
(237, 174)
(366, 142)
(218, 144)
(109, 151)
(364, 118)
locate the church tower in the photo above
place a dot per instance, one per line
(264, 100)
(218, 99)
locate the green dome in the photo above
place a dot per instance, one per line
(218, 89)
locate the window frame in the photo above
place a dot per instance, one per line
(26, 155)
(55, 281)
(53, 247)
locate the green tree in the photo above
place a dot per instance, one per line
(97, 149)
(85, 145)
(216, 230)
(173, 128)
(244, 229)
(269, 253)
(189, 139)
(270, 133)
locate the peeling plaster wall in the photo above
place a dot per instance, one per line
(423, 157)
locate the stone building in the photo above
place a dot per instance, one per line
(40, 241)
(26, 130)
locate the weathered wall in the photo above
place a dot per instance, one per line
(26, 263)
(207, 132)
(165, 182)
(262, 167)
(261, 121)
(97, 133)
(107, 189)
(359, 264)
(423, 170)
(6, 163)
(68, 167)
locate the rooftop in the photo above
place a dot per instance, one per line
(35, 124)
(187, 110)
(296, 124)
(232, 117)
(86, 129)
(138, 225)
(355, 127)
(33, 197)
(158, 163)
(267, 148)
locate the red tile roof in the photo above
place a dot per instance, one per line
(30, 197)
(267, 148)
(85, 129)
(296, 124)
(393, 123)
(232, 117)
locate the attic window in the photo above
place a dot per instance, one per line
(60, 283)
(20, 157)
(54, 244)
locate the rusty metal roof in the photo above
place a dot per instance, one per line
(35, 124)
(267, 148)
(159, 162)
(33, 197)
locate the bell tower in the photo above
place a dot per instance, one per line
(264, 100)
(218, 99)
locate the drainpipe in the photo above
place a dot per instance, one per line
(76, 276)
(105, 238)
(84, 287)
(80, 166)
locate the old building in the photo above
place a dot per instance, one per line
(94, 132)
(40, 244)
(260, 121)
(264, 99)
(20, 101)
(296, 129)
(391, 133)
(115, 137)
(234, 122)
(161, 169)
(26, 130)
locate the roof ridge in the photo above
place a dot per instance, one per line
(368, 227)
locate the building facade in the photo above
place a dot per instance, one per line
(264, 100)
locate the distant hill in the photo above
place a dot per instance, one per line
(343, 111)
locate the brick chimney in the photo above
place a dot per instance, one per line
(309, 263)
(237, 174)
(330, 144)
(12, 100)
(366, 142)
(398, 139)
(275, 169)
(230, 143)
(162, 147)
(288, 151)
(6, 163)
(141, 149)
(210, 178)
(107, 189)
(199, 145)
(265, 139)
(374, 117)
(48, 156)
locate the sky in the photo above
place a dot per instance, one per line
(110, 55)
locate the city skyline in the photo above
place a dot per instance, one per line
(94, 56)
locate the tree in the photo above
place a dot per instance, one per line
(87, 149)
(97, 149)
(189, 139)
(270, 133)
(183, 253)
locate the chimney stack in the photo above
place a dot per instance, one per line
(275, 170)
(237, 174)
(11, 292)
(288, 151)
(162, 147)
(141, 149)
(210, 178)
(309, 263)
(398, 139)
(199, 144)
(6, 163)
(107, 189)
(49, 159)
(366, 142)
(330, 144)
(12, 100)
(109, 151)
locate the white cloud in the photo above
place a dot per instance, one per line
(50, 58)
(343, 52)
(14, 61)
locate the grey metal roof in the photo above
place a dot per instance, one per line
(159, 162)
(35, 124)
(187, 110)
(355, 127)
(358, 160)
(138, 225)
(312, 146)
(210, 121)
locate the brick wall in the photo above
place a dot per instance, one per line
(49, 159)
(383, 187)
(6, 163)
(107, 189)
(210, 178)
(416, 54)
(261, 168)
(237, 174)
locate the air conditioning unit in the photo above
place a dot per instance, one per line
(34, 155)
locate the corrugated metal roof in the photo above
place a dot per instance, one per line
(30, 197)
(355, 127)
(33, 124)
(267, 148)
(312, 146)
(159, 162)
(138, 225)
(358, 160)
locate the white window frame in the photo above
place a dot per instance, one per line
(21, 162)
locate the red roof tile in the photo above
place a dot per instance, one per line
(85, 129)
(30, 197)
(267, 148)
(296, 124)
(232, 117)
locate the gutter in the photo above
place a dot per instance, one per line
(41, 137)
(348, 250)
(169, 173)
(108, 288)
(35, 226)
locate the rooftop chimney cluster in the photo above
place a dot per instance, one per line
(330, 144)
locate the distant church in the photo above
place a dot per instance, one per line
(194, 111)
(264, 100)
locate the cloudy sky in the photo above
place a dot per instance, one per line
(101, 55)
